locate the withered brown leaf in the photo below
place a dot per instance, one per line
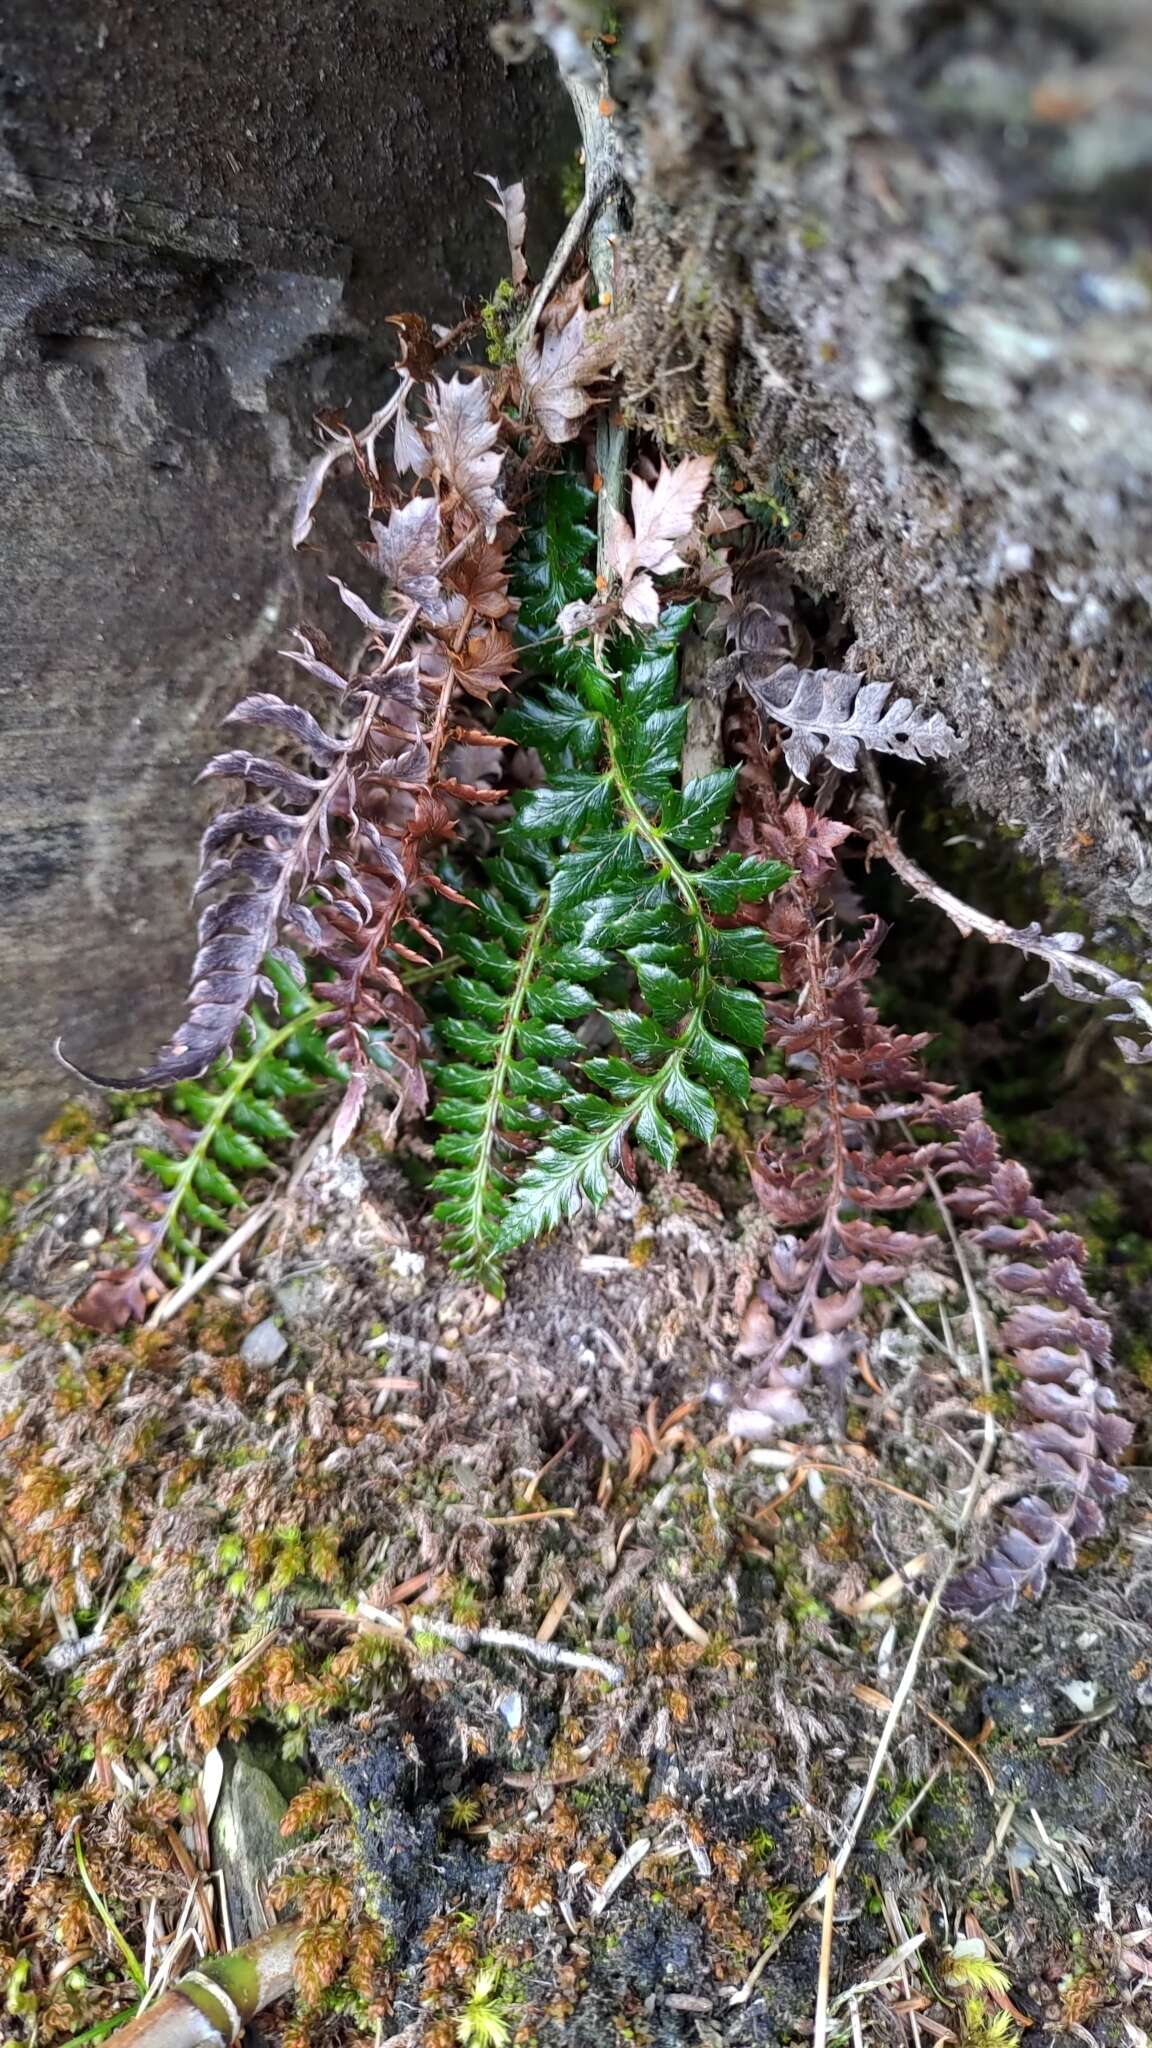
(481, 577)
(556, 371)
(662, 515)
(484, 661)
(509, 204)
(407, 553)
(462, 437)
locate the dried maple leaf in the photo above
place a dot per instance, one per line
(805, 841)
(555, 372)
(565, 303)
(462, 438)
(409, 448)
(640, 600)
(419, 348)
(662, 515)
(406, 551)
(509, 204)
(481, 577)
(484, 661)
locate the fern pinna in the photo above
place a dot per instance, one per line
(620, 836)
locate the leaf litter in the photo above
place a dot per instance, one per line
(385, 1464)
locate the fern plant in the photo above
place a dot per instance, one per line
(617, 834)
(523, 988)
(236, 1114)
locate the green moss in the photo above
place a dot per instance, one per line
(74, 1129)
(497, 316)
(464, 1603)
(1104, 1212)
(779, 1905)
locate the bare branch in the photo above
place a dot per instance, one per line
(1074, 973)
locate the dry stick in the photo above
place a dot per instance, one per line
(561, 256)
(210, 2006)
(1061, 961)
(982, 1350)
(170, 1305)
(600, 223)
(493, 1639)
(820, 2024)
(596, 216)
(904, 1690)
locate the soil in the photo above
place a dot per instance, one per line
(345, 1432)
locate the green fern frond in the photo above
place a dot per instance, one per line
(552, 566)
(235, 1110)
(623, 875)
(599, 880)
(503, 1089)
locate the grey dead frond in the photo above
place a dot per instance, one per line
(833, 713)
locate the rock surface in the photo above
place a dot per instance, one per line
(903, 256)
(205, 214)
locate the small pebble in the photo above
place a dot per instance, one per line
(264, 1345)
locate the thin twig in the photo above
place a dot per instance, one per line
(224, 1679)
(983, 1351)
(685, 1622)
(1068, 968)
(820, 2025)
(171, 1304)
(532, 1515)
(914, 1805)
(596, 217)
(558, 263)
(807, 1465)
(619, 1874)
(489, 1638)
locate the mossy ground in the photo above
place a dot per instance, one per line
(175, 1511)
